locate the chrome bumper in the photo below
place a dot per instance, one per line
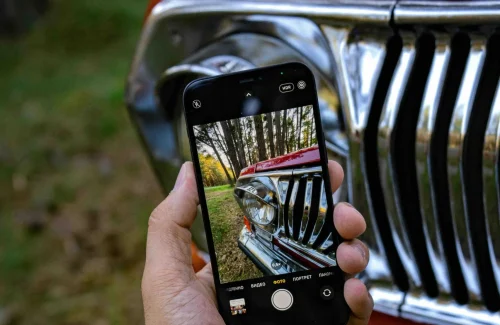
(264, 256)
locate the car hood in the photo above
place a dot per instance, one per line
(300, 157)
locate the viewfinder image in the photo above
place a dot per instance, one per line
(265, 193)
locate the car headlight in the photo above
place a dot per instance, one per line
(258, 202)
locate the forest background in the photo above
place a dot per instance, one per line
(227, 147)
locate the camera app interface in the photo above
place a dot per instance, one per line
(266, 198)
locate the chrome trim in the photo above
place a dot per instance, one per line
(445, 311)
(387, 300)
(266, 255)
(284, 172)
(306, 252)
(458, 127)
(307, 208)
(373, 12)
(320, 221)
(491, 183)
(386, 125)
(291, 205)
(425, 127)
(283, 190)
(447, 12)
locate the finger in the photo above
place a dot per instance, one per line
(348, 221)
(168, 247)
(336, 174)
(352, 256)
(359, 300)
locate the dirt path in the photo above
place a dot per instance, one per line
(226, 219)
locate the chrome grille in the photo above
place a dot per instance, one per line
(426, 151)
(304, 215)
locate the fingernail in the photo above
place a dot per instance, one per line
(181, 177)
(348, 204)
(360, 249)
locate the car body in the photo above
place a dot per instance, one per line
(410, 101)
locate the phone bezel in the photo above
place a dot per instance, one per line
(226, 92)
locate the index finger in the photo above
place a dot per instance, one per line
(336, 174)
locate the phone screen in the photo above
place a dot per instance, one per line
(260, 160)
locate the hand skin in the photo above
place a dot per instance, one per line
(173, 294)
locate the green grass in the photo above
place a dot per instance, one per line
(218, 188)
(226, 222)
(75, 188)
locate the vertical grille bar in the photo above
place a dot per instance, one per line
(371, 166)
(425, 126)
(402, 157)
(491, 173)
(360, 62)
(320, 221)
(285, 191)
(385, 128)
(294, 186)
(314, 209)
(298, 208)
(307, 207)
(461, 113)
(437, 164)
(471, 172)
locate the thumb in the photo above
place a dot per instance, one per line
(168, 249)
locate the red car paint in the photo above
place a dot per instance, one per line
(297, 158)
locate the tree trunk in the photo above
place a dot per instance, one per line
(270, 134)
(247, 141)
(224, 149)
(240, 145)
(286, 140)
(231, 147)
(311, 125)
(207, 139)
(300, 128)
(229, 179)
(279, 140)
(261, 142)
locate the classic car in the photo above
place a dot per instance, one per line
(409, 95)
(287, 222)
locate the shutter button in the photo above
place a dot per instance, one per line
(282, 299)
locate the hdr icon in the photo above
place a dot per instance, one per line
(285, 88)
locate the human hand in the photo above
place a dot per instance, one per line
(174, 294)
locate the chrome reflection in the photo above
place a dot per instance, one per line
(458, 127)
(491, 184)
(307, 208)
(386, 125)
(320, 221)
(358, 62)
(425, 127)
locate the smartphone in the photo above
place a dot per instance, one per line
(262, 172)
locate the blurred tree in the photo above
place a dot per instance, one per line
(212, 171)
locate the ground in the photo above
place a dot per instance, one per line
(226, 222)
(75, 188)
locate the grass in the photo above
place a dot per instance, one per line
(75, 187)
(226, 222)
(218, 188)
